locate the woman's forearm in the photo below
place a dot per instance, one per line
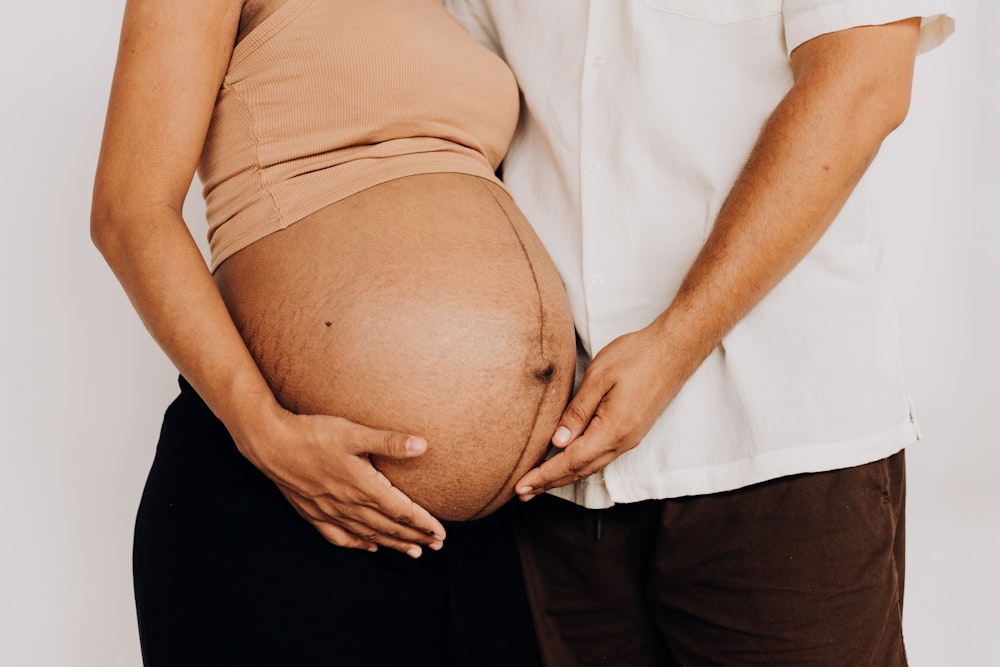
(166, 279)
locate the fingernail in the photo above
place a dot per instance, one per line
(522, 490)
(410, 445)
(561, 436)
(526, 498)
(372, 548)
(436, 546)
(414, 552)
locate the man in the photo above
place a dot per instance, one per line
(733, 453)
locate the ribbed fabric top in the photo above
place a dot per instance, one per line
(325, 98)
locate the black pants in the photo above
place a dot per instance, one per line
(227, 574)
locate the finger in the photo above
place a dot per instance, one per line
(339, 537)
(386, 443)
(343, 536)
(560, 470)
(399, 520)
(393, 508)
(366, 517)
(366, 492)
(589, 453)
(371, 535)
(356, 533)
(332, 533)
(374, 528)
(580, 411)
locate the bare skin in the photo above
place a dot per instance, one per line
(852, 88)
(416, 304)
(173, 56)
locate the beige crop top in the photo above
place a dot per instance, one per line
(325, 98)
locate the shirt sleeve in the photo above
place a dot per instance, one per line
(805, 19)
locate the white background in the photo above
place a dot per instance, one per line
(82, 387)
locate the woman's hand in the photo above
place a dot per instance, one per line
(322, 465)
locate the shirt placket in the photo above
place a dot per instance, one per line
(595, 173)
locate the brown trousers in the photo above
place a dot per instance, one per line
(803, 570)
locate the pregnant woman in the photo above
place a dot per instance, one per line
(378, 351)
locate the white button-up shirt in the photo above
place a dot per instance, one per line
(637, 118)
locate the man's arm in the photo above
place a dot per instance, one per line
(852, 88)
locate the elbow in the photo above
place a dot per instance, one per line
(869, 110)
(886, 102)
(113, 224)
(873, 100)
(99, 222)
(862, 76)
(126, 226)
(104, 232)
(100, 227)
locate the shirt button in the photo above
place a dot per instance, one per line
(597, 281)
(599, 62)
(595, 165)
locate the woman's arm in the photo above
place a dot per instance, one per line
(172, 59)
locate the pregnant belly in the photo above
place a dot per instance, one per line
(425, 305)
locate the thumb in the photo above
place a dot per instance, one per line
(391, 445)
(577, 415)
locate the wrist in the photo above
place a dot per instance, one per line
(251, 414)
(684, 337)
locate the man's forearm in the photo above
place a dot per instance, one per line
(851, 90)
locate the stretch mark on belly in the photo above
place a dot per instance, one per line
(545, 374)
(261, 336)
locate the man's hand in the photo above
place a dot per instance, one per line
(624, 391)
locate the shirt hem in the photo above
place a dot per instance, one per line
(612, 486)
